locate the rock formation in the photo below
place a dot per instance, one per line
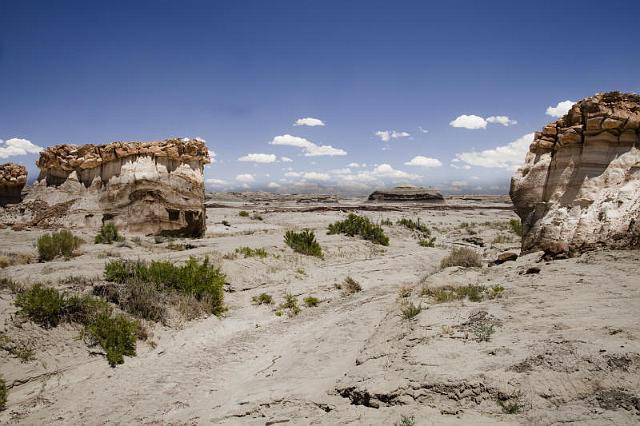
(143, 187)
(13, 177)
(406, 193)
(579, 187)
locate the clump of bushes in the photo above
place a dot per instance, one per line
(409, 310)
(243, 213)
(516, 226)
(3, 394)
(262, 299)
(462, 256)
(349, 286)
(359, 225)
(108, 234)
(475, 293)
(427, 242)
(290, 303)
(202, 280)
(311, 301)
(251, 252)
(61, 243)
(414, 226)
(49, 307)
(303, 242)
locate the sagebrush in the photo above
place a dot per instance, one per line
(62, 243)
(462, 256)
(108, 234)
(303, 242)
(359, 225)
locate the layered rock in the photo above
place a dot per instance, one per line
(406, 194)
(13, 177)
(579, 187)
(154, 188)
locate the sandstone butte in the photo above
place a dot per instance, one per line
(152, 188)
(407, 193)
(579, 187)
(13, 177)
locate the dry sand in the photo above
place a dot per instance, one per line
(562, 344)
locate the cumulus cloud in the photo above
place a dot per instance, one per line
(387, 135)
(322, 177)
(310, 149)
(308, 121)
(560, 109)
(385, 170)
(474, 122)
(273, 185)
(212, 156)
(245, 178)
(421, 161)
(286, 159)
(216, 182)
(259, 158)
(508, 156)
(16, 146)
(501, 119)
(356, 165)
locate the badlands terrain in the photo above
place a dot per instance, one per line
(542, 341)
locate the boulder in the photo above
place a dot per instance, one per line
(507, 256)
(151, 188)
(407, 193)
(13, 177)
(582, 190)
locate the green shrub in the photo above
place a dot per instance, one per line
(415, 226)
(350, 286)
(462, 256)
(427, 242)
(251, 252)
(446, 294)
(311, 301)
(61, 243)
(108, 234)
(243, 213)
(409, 310)
(202, 280)
(406, 421)
(516, 226)
(3, 394)
(386, 222)
(262, 299)
(303, 242)
(116, 335)
(510, 407)
(290, 304)
(359, 225)
(43, 305)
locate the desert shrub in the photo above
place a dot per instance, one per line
(510, 407)
(142, 300)
(303, 242)
(116, 335)
(251, 252)
(311, 301)
(409, 310)
(262, 299)
(43, 305)
(11, 285)
(176, 246)
(496, 291)
(462, 256)
(202, 280)
(359, 225)
(290, 303)
(406, 421)
(10, 259)
(351, 286)
(427, 242)
(243, 213)
(502, 238)
(483, 332)
(386, 222)
(61, 243)
(85, 309)
(446, 294)
(3, 394)
(516, 226)
(108, 234)
(415, 226)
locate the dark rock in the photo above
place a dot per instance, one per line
(407, 193)
(507, 256)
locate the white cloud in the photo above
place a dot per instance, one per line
(508, 156)
(387, 135)
(310, 149)
(356, 165)
(322, 177)
(259, 158)
(422, 130)
(308, 121)
(286, 159)
(212, 156)
(469, 122)
(16, 146)
(293, 174)
(245, 178)
(501, 119)
(385, 170)
(421, 161)
(216, 182)
(273, 185)
(561, 109)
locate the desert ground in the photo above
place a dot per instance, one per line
(548, 341)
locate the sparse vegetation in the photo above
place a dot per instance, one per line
(483, 332)
(303, 242)
(496, 292)
(350, 286)
(427, 242)
(108, 234)
(415, 226)
(142, 300)
(462, 256)
(410, 310)
(386, 222)
(3, 394)
(251, 252)
(510, 407)
(447, 294)
(176, 246)
(116, 335)
(11, 259)
(516, 227)
(62, 243)
(359, 225)
(45, 306)
(262, 299)
(311, 301)
(11, 285)
(202, 280)
(406, 421)
(243, 213)
(290, 304)
(502, 239)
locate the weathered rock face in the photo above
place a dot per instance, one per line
(407, 193)
(143, 187)
(13, 177)
(580, 185)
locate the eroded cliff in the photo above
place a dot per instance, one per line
(13, 177)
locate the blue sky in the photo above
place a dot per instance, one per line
(240, 73)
